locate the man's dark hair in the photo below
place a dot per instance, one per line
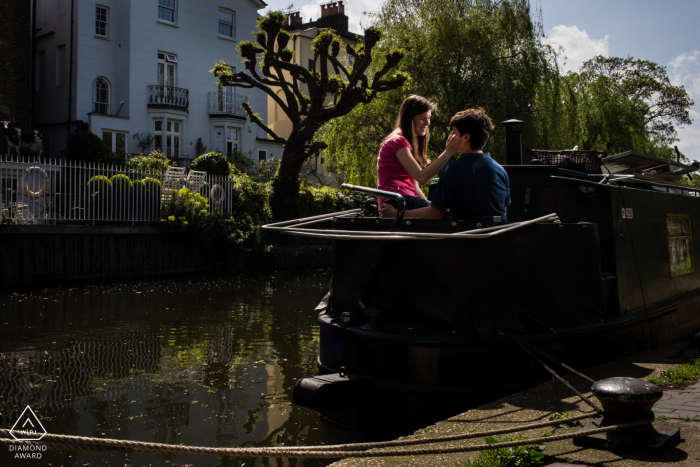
(476, 123)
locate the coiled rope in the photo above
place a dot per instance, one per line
(79, 443)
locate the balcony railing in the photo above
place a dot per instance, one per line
(226, 103)
(159, 95)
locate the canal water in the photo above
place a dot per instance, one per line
(198, 362)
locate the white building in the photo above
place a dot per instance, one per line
(142, 66)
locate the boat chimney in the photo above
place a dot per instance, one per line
(514, 144)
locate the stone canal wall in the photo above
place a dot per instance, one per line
(41, 254)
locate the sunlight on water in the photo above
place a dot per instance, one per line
(198, 362)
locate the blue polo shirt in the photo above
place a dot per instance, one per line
(473, 186)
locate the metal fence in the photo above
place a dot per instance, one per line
(52, 191)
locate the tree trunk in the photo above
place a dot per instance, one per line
(285, 186)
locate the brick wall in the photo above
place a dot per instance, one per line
(15, 70)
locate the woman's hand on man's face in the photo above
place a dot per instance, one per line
(454, 140)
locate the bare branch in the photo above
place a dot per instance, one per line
(254, 119)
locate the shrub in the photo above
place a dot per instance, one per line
(151, 184)
(185, 210)
(99, 182)
(267, 169)
(121, 181)
(243, 164)
(154, 162)
(213, 163)
(251, 199)
(85, 146)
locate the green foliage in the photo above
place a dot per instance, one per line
(680, 374)
(324, 200)
(521, 456)
(148, 184)
(267, 169)
(564, 416)
(85, 146)
(241, 163)
(692, 180)
(155, 162)
(184, 210)
(99, 182)
(121, 181)
(251, 200)
(213, 163)
(615, 105)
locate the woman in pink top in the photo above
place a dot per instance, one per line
(404, 151)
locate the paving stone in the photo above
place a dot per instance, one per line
(692, 404)
(674, 407)
(683, 414)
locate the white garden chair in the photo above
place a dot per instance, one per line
(196, 180)
(174, 179)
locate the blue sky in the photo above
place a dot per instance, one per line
(664, 32)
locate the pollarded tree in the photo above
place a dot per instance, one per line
(348, 87)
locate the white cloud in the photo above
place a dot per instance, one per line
(578, 46)
(685, 70)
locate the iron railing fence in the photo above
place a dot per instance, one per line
(226, 103)
(159, 95)
(54, 191)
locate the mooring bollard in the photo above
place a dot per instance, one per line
(628, 400)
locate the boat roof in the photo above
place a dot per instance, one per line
(630, 162)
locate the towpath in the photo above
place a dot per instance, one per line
(677, 409)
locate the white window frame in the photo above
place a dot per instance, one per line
(95, 102)
(232, 25)
(165, 7)
(114, 134)
(233, 143)
(219, 139)
(98, 21)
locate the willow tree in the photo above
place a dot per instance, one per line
(333, 90)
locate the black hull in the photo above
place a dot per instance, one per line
(415, 380)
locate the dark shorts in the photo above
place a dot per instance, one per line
(412, 202)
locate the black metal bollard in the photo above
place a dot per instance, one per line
(628, 400)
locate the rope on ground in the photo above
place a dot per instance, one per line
(554, 373)
(365, 446)
(75, 443)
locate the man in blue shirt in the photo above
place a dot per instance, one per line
(472, 186)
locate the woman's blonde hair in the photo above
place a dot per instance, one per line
(411, 106)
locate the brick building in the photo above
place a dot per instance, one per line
(15, 55)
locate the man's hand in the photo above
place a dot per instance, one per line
(387, 210)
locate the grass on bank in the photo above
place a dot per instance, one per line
(681, 374)
(526, 455)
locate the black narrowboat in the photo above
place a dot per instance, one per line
(591, 266)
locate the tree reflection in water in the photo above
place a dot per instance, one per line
(198, 362)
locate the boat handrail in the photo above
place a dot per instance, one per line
(611, 178)
(479, 233)
(400, 211)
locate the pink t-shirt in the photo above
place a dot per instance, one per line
(391, 176)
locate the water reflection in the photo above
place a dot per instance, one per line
(195, 362)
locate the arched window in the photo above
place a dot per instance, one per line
(100, 96)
